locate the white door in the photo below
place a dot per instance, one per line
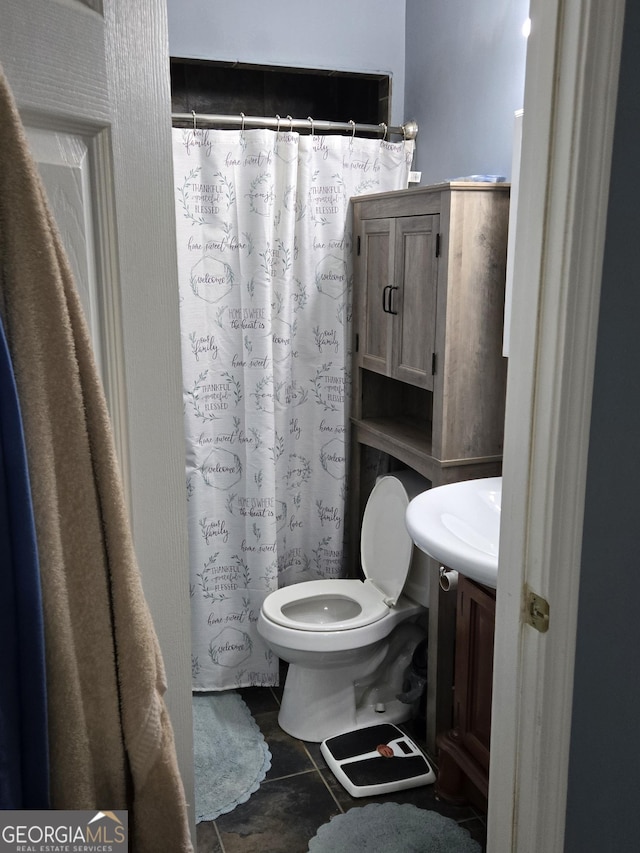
(573, 61)
(91, 80)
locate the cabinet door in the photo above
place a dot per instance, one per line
(374, 328)
(413, 299)
(475, 625)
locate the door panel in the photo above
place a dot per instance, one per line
(91, 81)
(375, 343)
(65, 163)
(416, 275)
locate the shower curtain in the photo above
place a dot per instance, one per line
(264, 256)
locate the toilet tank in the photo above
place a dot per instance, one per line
(418, 579)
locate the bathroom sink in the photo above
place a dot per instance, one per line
(459, 525)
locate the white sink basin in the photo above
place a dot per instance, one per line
(459, 525)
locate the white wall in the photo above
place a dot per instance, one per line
(342, 35)
(465, 65)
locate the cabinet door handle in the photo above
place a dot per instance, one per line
(386, 307)
(391, 289)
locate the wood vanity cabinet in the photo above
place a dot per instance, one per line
(428, 376)
(463, 752)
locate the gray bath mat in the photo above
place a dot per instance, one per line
(392, 828)
(231, 756)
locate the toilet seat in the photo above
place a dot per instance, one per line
(325, 605)
(343, 604)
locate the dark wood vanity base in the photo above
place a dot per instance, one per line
(463, 752)
(460, 780)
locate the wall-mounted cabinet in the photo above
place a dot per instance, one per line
(428, 314)
(429, 377)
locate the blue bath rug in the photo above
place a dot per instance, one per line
(231, 756)
(392, 828)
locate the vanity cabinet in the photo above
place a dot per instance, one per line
(463, 752)
(428, 376)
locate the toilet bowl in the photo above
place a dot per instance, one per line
(349, 641)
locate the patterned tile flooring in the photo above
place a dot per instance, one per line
(300, 793)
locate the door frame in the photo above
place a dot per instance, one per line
(573, 62)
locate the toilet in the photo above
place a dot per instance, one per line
(349, 641)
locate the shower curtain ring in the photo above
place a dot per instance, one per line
(193, 113)
(382, 124)
(353, 127)
(290, 124)
(242, 125)
(279, 120)
(309, 119)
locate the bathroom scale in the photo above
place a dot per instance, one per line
(376, 760)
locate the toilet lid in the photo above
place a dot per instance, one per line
(385, 545)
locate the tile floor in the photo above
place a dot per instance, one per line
(300, 793)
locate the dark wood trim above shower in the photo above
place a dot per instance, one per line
(233, 88)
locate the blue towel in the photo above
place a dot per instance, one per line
(24, 757)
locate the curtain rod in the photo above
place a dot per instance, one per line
(409, 130)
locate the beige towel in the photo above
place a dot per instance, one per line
(111, 740)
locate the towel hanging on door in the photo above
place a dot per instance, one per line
(111, 741)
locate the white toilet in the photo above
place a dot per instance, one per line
(348, 642)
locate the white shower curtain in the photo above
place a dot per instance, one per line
(264, 254)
